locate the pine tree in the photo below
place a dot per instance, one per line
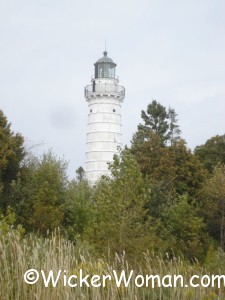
(174, 130)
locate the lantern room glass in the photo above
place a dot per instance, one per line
(105, 70)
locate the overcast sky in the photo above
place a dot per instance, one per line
(169, 50)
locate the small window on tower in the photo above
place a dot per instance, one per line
(90, 110)
(114, 110)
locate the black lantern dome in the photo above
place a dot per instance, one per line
(105, 67)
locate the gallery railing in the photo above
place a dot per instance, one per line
(104, 88)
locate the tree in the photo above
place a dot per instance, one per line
(12, 153)
(121, 222)
(213, 204)
(156, 119)
(174, 167)
(212, 152)
(148, 143)
(190, 173)
(159, 121)
(80, 174)
(174, 130)
(78, 209)
(184, 230)
(41, 196)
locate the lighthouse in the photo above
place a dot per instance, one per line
(104, 130)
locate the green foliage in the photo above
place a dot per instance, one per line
(11, 154)
(213, 204)
(185, 229)
(55, 253)
(212, 152)
(159, 121)
(121, 222)
(7, 223)
(155, 119)
(80, 174)
(215, 260)
(1, 188)
(41, 196)
(148, 202)
(161, 197)
(77, 209)
(173, 167)
(189, 171)
(174, 130)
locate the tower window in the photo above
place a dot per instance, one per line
(114, 110)
(90, 110)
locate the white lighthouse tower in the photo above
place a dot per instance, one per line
(104, 134)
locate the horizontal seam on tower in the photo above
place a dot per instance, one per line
(94, 94)
(101, 102)
(102, 142)
(118, 104)
(106, 122)
(103, 132)
(104, 112)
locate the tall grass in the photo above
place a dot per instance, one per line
(18, 254)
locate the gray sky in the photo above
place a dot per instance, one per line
(172, 51)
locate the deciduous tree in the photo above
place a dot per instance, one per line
(78, 209)
(184, 229)
(213, 204)
(41, 196)
(212, 152)
(121, 222)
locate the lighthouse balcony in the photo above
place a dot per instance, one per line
(105, 76)
(104, 89)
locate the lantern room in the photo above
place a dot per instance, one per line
(105, 67)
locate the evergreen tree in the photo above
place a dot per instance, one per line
(159, 121)
(174, 130)
(163, 156)
(156, 119)
(80, 174)
(12, 153)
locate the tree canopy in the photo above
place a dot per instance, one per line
(160, 121)
(12, 152)
(212, 152)
(160, 195)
